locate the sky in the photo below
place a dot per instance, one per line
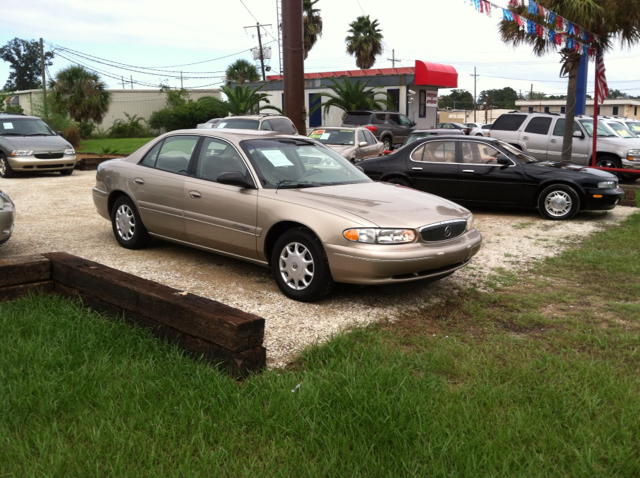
(132, 40)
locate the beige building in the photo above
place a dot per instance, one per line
(140, 102)
(626, 107)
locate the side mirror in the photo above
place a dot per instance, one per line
(503, 160)
(578, 134)
(362, 144)
(234, 178)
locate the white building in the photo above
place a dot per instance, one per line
(626, 107)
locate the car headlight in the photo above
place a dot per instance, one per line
(380, 236)
(69, 151)
(470, 222)
(607, 185)
(22, 152)
(633, 155)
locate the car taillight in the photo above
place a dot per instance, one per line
(371, 128)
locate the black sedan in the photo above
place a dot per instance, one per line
(477, 171)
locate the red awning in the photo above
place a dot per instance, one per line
(435, 74)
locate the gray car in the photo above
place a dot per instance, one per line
(7, 217)
(389, 127)
(354, 144)
(284, 202)
(28, 144)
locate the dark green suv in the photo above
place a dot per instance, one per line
(389, 127)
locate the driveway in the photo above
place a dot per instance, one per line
(56, 213)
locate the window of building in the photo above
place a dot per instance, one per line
(615, 111)
(546, 109)
(422, 108)
(563, 109)
(530, 109)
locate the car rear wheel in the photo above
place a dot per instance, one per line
(300, 267)
(386, 141)
(558, 202)
(399, 182)
(5, 167)
(127, 226)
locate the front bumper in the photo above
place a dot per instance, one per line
(626, 164)
(395, 263)
(602, 199)
(7, 218)
(31, 163)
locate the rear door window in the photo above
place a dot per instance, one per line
(172, 155)
(509, 122)
(435, 152)
(538, 126)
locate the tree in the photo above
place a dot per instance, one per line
(617, 94)
(504, 98)
(457, 99)
(349, 96)
(608, 18)
(312, 25)
(242, 100)
(364, 41)
(241, 71)
(81, 94)
(26, 69)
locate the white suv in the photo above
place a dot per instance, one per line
(541, 135)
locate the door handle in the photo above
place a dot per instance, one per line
(525, 137)
(417, 169)
(138, 181)
(468, 171)
(553, 141)
(195, 194)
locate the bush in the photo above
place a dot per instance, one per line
(86, 129)
(132, 128)
(72, 134)
(188, 115)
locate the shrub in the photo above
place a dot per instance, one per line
(188, 115)
(86, 129)
(72, 134)
(131, 128)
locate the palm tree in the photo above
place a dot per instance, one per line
(364, 41)
(80, 93)
(241, 71)
(349, 96)
(312, 25)
(619, 19)
(242, 100)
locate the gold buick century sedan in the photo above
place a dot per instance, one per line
(284, 202)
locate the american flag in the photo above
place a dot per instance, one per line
(602, 90)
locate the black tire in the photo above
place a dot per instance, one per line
(293, 249)
(630, 177)
(66, 172)
(609, 162)
(388, 144)
(479, 134)
(399, 182)
(127, 225)
(5, 167)
(558, 202)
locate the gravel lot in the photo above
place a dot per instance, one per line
(56, 213)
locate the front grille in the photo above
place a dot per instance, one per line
(49, 155)
(443, 231)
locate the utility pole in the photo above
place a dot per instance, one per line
(293, 48)
(393, 59)
(122, 78)
(279, 19)
(44, 78)
(260, 47)
(131, 78)
(181, 87)
(475, 78)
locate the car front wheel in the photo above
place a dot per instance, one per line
(127, 226)
(5, 167)
(300, 267)
(386, 141)
(558, 202)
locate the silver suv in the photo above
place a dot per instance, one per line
(265, 122)
(541, 135)
(28, 144)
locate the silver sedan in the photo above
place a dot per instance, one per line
(354, 144)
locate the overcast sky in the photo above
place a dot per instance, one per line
(175, 35)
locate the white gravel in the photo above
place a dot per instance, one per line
(56, 213)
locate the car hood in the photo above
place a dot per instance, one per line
(384, 205)
(37, 143)
(604, 175)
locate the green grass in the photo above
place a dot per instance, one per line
(109, 145)
(538, 378)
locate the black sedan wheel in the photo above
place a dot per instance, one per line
(299, 265)
(558, 202)
(5, 167)
(127, 226)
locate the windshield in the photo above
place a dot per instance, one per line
(334, 136)
(517, 154)
(25, 127)
(621, 129)
(292, 163)
(603, 129)
(238, 123)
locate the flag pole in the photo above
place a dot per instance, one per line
(595, 109)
